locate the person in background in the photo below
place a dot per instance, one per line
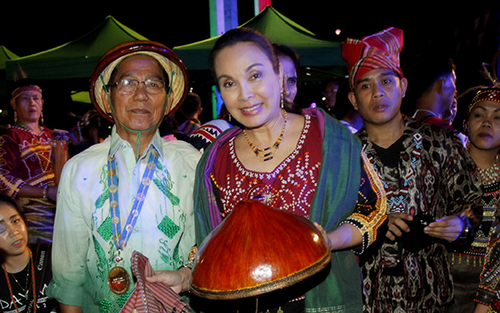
(476, 271)
(206, 134)
(433, 88)
(26, 269)
(189, 113)
(429, 179)
(133, 191)
(330, 94)
(286, 151)
(449, 118)
(344, 110)
(26, 161)
(290, 62)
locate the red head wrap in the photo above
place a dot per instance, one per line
(486, 94)
(378, 51)
(20, 90)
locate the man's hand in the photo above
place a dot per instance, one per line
(397, 225)
(448, 228)
(179, 280)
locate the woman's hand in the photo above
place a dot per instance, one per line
(343, 237)
(179, 280)
(324, 234)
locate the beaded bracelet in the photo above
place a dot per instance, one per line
(44, 194)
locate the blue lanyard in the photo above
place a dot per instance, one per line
(120, 237)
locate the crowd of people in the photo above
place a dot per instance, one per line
(406, 204)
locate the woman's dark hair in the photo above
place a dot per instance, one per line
(245, 34)
(5, 199)
(286, 51)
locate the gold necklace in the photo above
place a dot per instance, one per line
(268, 153)
(26, 283)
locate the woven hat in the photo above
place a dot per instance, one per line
(173, 66)
(257, 249)
(377, 51)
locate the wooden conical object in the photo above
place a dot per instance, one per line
(255, 250)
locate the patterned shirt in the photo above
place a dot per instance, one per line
(292, 185)
(25, 158)
(433, 174)
(84, 249)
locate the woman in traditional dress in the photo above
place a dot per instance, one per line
(480, 265)
(26, 166)
(26, 271)
(307, 162)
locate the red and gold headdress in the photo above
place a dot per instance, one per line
(486, 94)
(380, 50)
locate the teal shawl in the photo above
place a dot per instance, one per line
(338, 287)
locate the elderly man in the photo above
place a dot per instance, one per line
(131, 192)
(429, 180)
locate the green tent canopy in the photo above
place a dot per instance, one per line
(312, 50)
(81, 96)
(5, 55)
(75, 59)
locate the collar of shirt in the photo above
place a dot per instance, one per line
(118, 143)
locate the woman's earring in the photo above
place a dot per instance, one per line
(41, 116)
(282, 100)
(15, 116)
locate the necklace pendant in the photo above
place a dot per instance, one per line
(118, 280)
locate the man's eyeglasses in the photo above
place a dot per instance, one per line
(129, 86)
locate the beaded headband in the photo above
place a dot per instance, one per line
(20, 90)
(488, 94)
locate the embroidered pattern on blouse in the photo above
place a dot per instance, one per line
(25, 158)
(295, 177)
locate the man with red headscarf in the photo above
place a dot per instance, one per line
(429, 181)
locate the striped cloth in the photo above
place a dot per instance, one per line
(151, 297)
(377, 51)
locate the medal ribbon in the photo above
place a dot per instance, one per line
(121, 239)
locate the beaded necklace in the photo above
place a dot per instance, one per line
(267, 154)
(491, 174)
(24, 126)
(33, 285)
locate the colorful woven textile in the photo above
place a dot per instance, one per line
(151, 297)
(377, 51)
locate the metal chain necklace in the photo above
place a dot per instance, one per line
(25, 290)
(268, 153)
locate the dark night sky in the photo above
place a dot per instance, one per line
(31, 28)
(40, 27)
